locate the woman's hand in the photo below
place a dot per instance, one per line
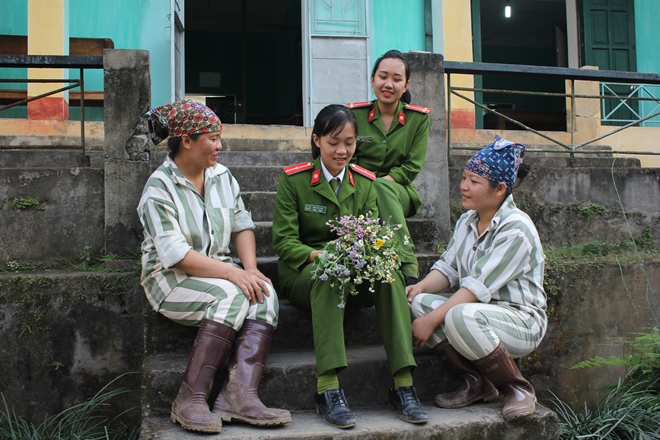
(388, 177)
(412, 291)
(313, 255)
(422, 329)
(252, 285)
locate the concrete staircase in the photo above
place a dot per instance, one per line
(289, 379)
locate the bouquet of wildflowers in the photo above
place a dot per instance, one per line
(364, 251)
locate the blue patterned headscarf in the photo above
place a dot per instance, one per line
(498, 162)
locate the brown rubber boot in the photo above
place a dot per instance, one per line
(501, 370)
(475, 386)
(238, 399)
(212, 347)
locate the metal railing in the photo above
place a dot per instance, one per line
(572, 75)
(54, 62)
(630, 104)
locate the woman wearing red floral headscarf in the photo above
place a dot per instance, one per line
(191, 210)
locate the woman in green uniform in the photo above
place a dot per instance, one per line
(310, 194)
(392, 140)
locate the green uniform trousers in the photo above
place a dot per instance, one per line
(328, 319)
(394, 205)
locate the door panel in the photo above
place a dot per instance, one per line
(609, 43)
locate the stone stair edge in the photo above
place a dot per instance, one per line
(482, 420)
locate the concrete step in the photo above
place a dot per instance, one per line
(289, 378)
(55, 157)
(67, 213)
(479, 421)
(295, 325)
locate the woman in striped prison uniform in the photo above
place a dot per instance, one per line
(498, 312)
(191, 209)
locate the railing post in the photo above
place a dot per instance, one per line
(449, 93)
(84, 160)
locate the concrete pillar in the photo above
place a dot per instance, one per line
(48, 34)
(587, 110)
(127, 88)
(427, 87)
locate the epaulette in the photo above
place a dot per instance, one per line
(417, 108)
(294, 169)
(365, 172)
(358, 104)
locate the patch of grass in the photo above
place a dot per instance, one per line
(90, 420)
(89, 262)
(16, 266)
(27, 202)
(629, 411)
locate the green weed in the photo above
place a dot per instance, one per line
(90, 420)
(27, 202)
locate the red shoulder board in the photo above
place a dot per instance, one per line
(417, 108)
(358, 104)
(294, 169)
(365, 172)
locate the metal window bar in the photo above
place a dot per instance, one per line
(54, 62)
(637, 91)
(465, 68)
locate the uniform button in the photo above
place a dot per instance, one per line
(380, 158)
(212, 232)
(384, 141)
(474, 248)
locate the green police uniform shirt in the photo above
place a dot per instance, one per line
(305, 202)
(401, 151)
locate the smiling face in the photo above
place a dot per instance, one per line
(204, 151)
(478, 194)
(336, 148)
(389, 81)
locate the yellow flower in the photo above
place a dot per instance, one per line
(378, 243)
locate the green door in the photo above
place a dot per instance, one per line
(609, 43)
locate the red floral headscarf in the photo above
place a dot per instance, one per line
(181, 117)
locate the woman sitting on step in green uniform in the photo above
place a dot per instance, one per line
(191, 209)
(498, 313)
(392, 140)
(305, 201)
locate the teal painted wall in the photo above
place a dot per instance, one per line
(13, 21)
(648, 50)
(395, 24)
(131, 24)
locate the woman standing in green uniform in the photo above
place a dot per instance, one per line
(392, 140)
(309, 194)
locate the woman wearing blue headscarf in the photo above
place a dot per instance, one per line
(496, 260)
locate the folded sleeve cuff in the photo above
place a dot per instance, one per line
(477, 288)
(447, 271)
(242, 221)
(171, 247)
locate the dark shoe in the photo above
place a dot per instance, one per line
(238, 399)
(475, 386)
(519, 396)
(333, 408)
(210, 350)
(404, 399)
(410, 280)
